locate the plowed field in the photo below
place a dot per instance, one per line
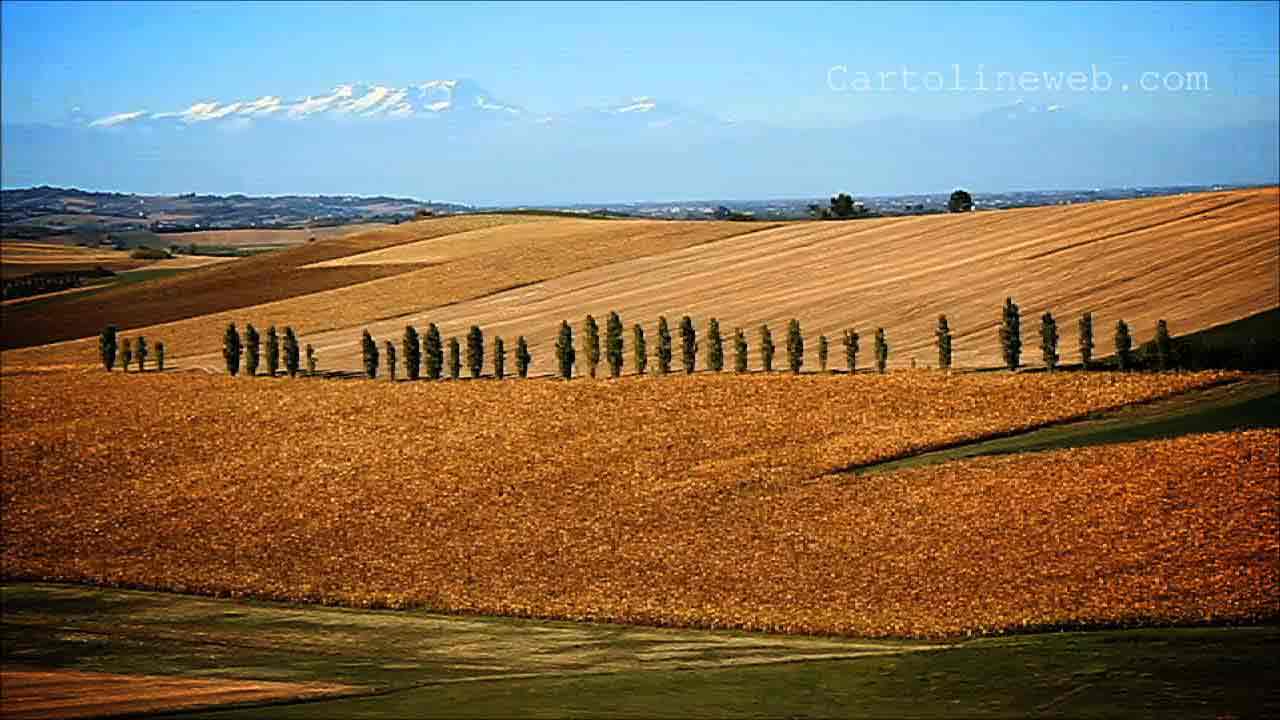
(696, 501)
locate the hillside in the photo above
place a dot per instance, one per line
(1195, 260)
(711, 501)
(242, 283)
(465, 257)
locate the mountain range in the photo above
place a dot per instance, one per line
(453, 140)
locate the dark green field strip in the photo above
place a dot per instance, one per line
(146, 633)
(411, 664)
(1250, 403)
(1200, 672)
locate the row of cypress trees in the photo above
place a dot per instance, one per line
(251, 350)
(112, 349)
(1011, 341)
(425, 355)
(588, 353)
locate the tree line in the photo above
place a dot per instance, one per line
(39, 283)
(428, 355)
(113, 351)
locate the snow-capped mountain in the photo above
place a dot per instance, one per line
(435, 98)
(452, 138)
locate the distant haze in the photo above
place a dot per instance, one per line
(579, 103)
(658, 153)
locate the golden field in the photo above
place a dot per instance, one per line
(300, 287)
(696, 501)
(245, 282)
(23, 258)
(1194, 260)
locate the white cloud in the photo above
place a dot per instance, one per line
(640, 104)
(113, 120)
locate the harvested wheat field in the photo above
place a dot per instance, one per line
(245, 282)
(257, 237)
(471, 261)
(1194, 260)
(23, 258)
(696, 501)
(32, 693)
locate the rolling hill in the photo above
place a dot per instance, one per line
(1195, 260)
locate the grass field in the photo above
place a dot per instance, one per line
(413, 664)
(696, 501)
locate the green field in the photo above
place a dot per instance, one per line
(1240, 405)
(423, 665)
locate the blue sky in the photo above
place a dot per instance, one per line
(754, 62)
(819, 92)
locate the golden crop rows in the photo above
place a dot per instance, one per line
(698, 501)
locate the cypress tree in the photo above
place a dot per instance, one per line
(766, 349)
(1049, 341)
(613, 344)
(369, 355)
(1011, 335)
(159, 356)
(390, 348)
(688, 344)
(231, 349)
(252, 350)
(591, 344)
(664, 346)
(1164, 345)
(142, 354)
(412, 347)
(715, 346)
(433, 352)
(850, 341)
(564, 350)
(638, 349)
(290, 352)
(1086, 339)
(822, 353)
(107, 346)
(499, 359)
(273, 351)
(943, 333)
(882, 350)
(126, 354)
(522, 357)
(795, 346)
(475, 351)
(311, 360)
(1124, 345)
(455, 358)
(739, 351)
